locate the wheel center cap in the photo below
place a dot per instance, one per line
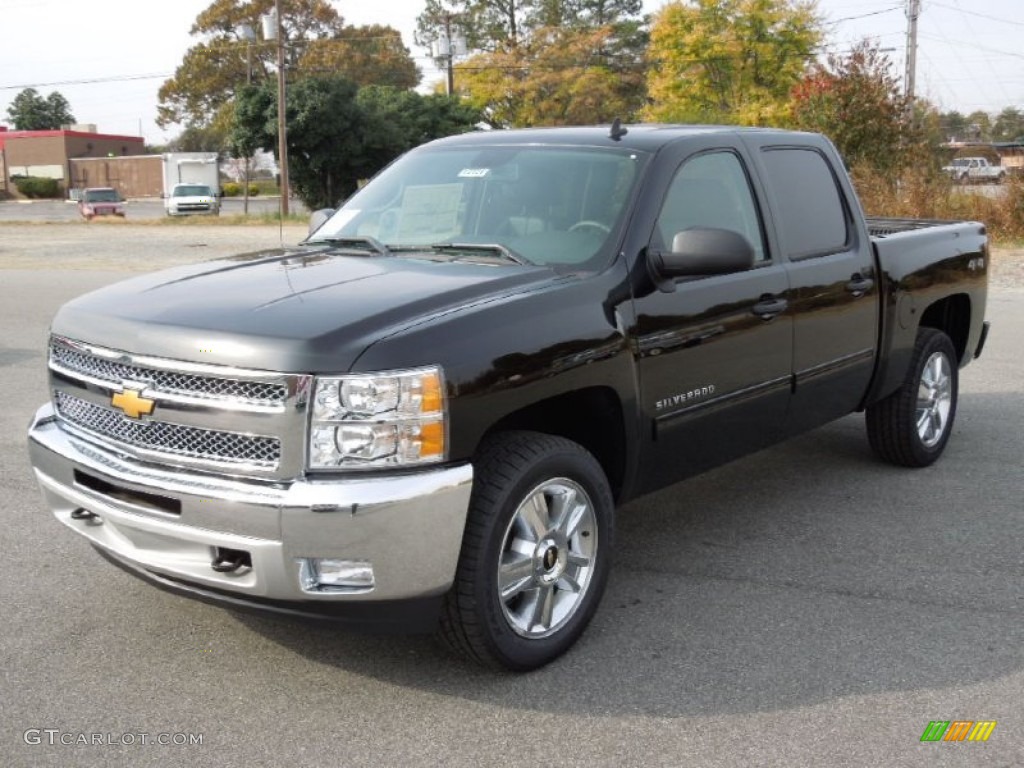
(550, 558)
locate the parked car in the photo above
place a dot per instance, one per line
(100, 201)
(425, 415)
(966, 170)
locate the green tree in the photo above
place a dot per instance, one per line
(30, 111)
(406, 119)
(198, 138)
(338, 135)
(1009, 125)
(979, 126)
(730, 61)
(856, 100)
(215, 68)
(486, 24)
(582, 13)
(954, 125)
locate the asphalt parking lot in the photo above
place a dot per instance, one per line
(806, 606)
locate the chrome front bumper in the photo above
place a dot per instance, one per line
(408, 526)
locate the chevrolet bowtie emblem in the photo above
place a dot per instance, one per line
(132, 403)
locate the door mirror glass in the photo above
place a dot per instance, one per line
(317, 218)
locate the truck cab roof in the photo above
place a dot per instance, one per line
(642, 137)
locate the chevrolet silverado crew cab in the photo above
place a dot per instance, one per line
(424, 415)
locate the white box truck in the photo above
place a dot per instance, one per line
(191, 183)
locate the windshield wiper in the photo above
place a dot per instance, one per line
(494, 248)
(359, 242)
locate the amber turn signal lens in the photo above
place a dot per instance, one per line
(431, 402)
(432, 439)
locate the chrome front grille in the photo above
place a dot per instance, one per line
(173, 439)
(166, 381)
(219, 418)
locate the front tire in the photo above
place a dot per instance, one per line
(911, 426)
(535, 554)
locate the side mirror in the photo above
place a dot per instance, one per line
(699, 252)
(317, 218)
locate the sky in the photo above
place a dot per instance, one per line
(109, 57)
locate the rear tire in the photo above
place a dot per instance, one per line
(535, 554)
(911, 426)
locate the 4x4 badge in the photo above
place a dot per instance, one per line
(132, 404)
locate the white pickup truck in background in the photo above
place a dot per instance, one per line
(967, 170)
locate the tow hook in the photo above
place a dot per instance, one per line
(84, 515)
(230, 560)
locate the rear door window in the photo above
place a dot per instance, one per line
(811, 215)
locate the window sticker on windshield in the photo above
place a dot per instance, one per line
(473, 173)
(429, 211)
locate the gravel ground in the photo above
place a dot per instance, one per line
(1007, 269)
(133, 247)
(142, 248)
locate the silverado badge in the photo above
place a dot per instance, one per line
(132, 403)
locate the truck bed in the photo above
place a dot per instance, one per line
(883, 227)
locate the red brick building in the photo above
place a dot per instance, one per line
(49, 153)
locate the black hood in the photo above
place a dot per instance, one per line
(304, 309)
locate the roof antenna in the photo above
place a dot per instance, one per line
(617, 131)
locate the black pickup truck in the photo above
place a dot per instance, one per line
(424, 415)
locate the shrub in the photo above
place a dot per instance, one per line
(926, 193)
(237, 189)
(35, 187)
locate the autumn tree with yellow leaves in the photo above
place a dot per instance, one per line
(729, 61)
(549, 62)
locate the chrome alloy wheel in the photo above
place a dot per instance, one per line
(547, 558)
(934, 399)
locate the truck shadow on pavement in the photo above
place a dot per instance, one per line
(799, 575)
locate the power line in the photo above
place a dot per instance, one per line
(86, 81)
(866, 15)
(975, 46)
(995, 75)
(976, 13)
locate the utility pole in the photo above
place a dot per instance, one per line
(248, 34)
(273, 29)
(447, 48)
(913, 11)
(450, 83)
(282, 137)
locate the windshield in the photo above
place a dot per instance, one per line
(102, 196)
(548, 205)
(961, 163)
(193, 190)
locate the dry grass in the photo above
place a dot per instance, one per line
(928, 194)
(235, 220)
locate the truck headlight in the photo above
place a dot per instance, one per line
(397, 418)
